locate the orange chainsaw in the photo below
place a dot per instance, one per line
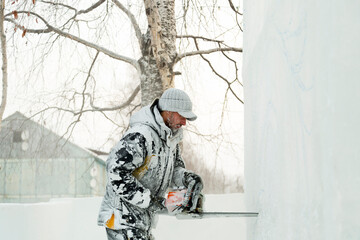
(179, 203)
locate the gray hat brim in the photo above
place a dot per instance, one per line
(188, 115)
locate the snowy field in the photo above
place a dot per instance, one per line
(75, 219)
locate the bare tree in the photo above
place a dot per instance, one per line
(160, 32)
(157, 44)
(4, 63)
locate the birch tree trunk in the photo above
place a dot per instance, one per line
(159, 53)
(150, 79)
(4, 62)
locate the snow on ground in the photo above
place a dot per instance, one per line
(75, 219)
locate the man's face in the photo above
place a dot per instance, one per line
(173, 120)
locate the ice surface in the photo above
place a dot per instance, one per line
(302, 155)
(74, 219)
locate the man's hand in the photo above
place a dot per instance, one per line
(194, 185)
(190, 177)
(157, 204)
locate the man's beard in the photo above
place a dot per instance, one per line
(175, 130)
(172, 127)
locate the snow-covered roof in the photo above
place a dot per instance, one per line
(21, 137)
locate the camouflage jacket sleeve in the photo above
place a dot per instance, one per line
(128, 154)
(179, 170)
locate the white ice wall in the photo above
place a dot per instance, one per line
(302, 118)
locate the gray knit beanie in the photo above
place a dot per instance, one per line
(176, 100)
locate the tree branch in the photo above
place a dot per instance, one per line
(89, 9)
(59, 4)
(38, 31)
(236, 68)
(94, 108)
(4, 63)
(107, 52)
(201, 52)
(86, 81)
(73, 124)
(199, 37)
(236, 14)
(125, 104)
(217, 74)
(50, 28)
(233, 8)
(132, 20)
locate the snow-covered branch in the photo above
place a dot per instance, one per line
(200, 37)
(89, 9)
(92, 45)
(132, 20)
(108, 52)
(93, 107)
(208, 51)
(124, 104)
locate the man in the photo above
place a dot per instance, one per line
(144, 164)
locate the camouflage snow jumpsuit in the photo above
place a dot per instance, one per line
(145, 163)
